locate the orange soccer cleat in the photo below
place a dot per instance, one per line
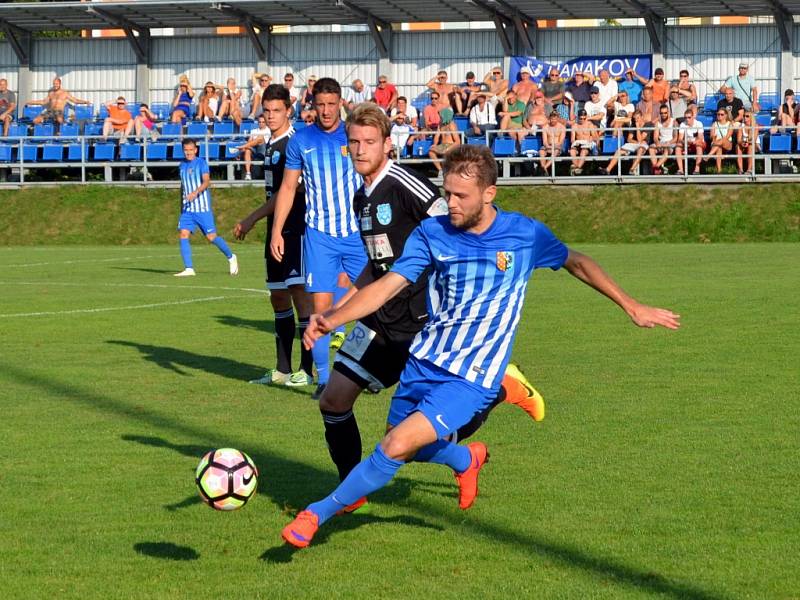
(519, 391)
(300, 532)
(468, 480)
(353, 507)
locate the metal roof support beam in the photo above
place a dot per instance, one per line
(259, 39)
(380, 36)
(523, 42)
(655, 29)
(785, 24)
(363, 14)
(140, 45)
(20, 41)
(505, 40)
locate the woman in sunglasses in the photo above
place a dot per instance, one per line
(747, 143)
(182, 103)
(722, 132)
(208, 107)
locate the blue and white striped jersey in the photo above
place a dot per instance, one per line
(476, 290)
(330, 179)
(191, 177)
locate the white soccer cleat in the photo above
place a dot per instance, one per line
(233, 265)
(272, 376)
(186, 273)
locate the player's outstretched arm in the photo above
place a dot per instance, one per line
(283, 206)
(364, 302)
(587, 270)
(243, 227)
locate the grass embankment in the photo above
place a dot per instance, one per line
(603, 214)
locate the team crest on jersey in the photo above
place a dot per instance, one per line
(384, 214)
(276, 156)
(505, 260)
(345, 151)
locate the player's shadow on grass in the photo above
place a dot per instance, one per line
(260, 325)
(144, 270)
(297, 482)
(166, 551)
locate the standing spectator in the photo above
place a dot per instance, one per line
(553, 90)
(788, 113)
(209, 103)
(595, 109)
(182, 103)
(260, 82)
(54, 103)
(525, 88)
(119, 120)
(584, 137)
(658, 84)
(255, 146)
(401, 131)
(691, 136)
(687, 90)
(636, 142)
(231, 102)
(676, 104)
(747, 143)
(511, 116)
(385, 94)
(536, 113)
(294, 93)
(497, 86)
(481, 116)
(665, 139)
(722, 135)
(145, 121)
(8, 102)
(744, 87)
(553, 136)
(409, 111)
(469, 90)
(446, 90)
(607, 86)
(632, 86)
(308, 94)
(733, 106)
(579, 89)
(648, 107)
(356, 94)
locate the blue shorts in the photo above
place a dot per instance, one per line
(193, 220)
(446, 400)
(326, 256)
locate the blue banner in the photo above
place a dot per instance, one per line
(642, 64)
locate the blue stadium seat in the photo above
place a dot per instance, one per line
(18, 130)
(104, 151)
(421, 148)
(706, 120)
(770, 101)
(83, 112)
(476, 140)
(610, 144)
(52, 152)
(133, 109)
(157, 151)
(69, 131)
(29, 113)
(45, 130)
(160, 110)
(92, 129)
(230, 148)
(130, 151)
(504, 146)
(530, 145)
(197, 129)
(102, 112)
(74, 152)
(764, 119)
(710, 103)
(213, 150)
(780, 144)
(177, 151)
(462, 123)
(5, 153)
(223, 128)
(171, 131)
(30, 153)
(248, 124)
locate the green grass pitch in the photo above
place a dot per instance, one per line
(667, 466)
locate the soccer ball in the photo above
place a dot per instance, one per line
(226, 478)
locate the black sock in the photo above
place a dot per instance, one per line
(284, 338)
(344, 440)
(306, 359)
(479, 419)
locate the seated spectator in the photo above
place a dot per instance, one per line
(665, 138)
(596, 110)
(747, 143)
(255, 146)
(583, 141)
(722, 137)
(676, 104)
(8, 104)
(525, 88)
(356, 94)
(635, 142)
(209, 104)
(54, 104)
(788, 114)
(294, 93)
(536, 113)
(260, 82)
(687, 90)
(744, 88)
(119, 120)
(182, 103)
(496, 86)
(307, 101)
(409, 111)
(308, 116)
(469, 91)
(385, 94)
(691, 136)
(579, 89)
(145, 124)
(553, 136)
(446, 90)
(648, 107)
(658, 84)
(512, 115)
(445, 138)
(632, 86)
(733, 106)
(607, 87)
(481, 117)
(430, 114)
(623, 113)
(553, 90)
(401, 132)
(231, 102)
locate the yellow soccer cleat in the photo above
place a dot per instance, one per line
(519, 391)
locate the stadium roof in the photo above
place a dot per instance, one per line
(148, 14)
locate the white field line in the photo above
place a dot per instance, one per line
(116, 308)
(87, 260)
(136, 285)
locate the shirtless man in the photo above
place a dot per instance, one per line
(536, 114)
(498, 87)
(585, 136)
(525, 88)
(54, 104)
(447, 90)
(553, 136)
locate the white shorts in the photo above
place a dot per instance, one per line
(631, 147)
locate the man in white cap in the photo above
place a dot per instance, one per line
(525, 87)
(744, 87)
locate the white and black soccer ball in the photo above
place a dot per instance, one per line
(226, 478)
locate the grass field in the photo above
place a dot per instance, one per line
(666, 467)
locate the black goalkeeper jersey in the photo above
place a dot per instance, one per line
(274, 163)
(387, 214)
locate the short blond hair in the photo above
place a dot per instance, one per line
(369, 115)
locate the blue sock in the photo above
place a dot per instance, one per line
(337, 295)
(223, 247)
(447, 453)
(320, 354)
(186, 253)
(370, 474)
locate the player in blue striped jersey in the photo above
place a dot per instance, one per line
(196, 210)
(481, 259)
(331, 245)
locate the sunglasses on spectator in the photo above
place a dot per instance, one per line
(120, 104)
(288, 78)
(495, 72)
(434, 97)
(663, 113)
(263, 79)
(719, 114)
